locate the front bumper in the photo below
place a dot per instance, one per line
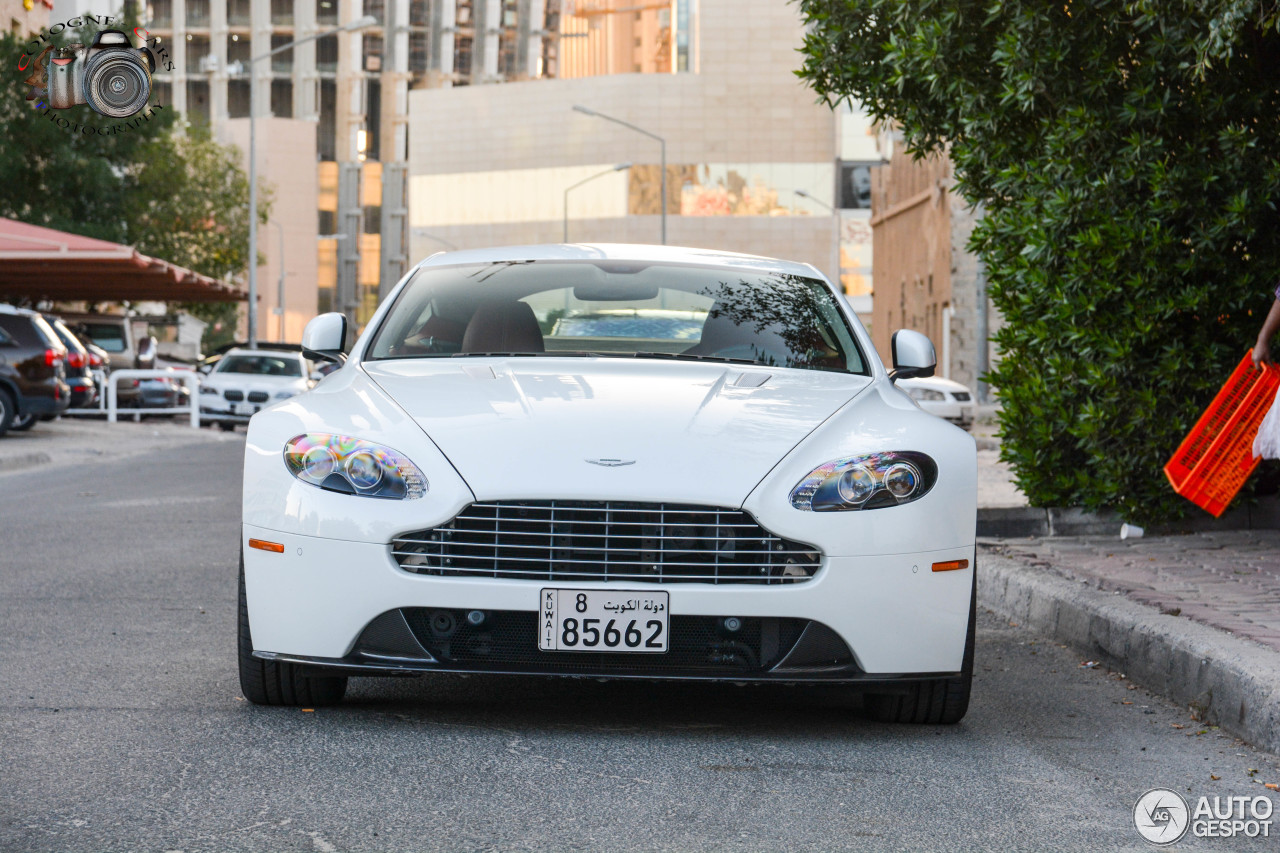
(214, 414)
(316, 603)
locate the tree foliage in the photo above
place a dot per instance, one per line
(181, 197)
(1127, 156)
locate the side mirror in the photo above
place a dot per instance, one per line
(325, 337)
(913, 355)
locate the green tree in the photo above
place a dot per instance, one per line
(1127, 156)
(181, 197)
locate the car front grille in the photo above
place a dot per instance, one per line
(606, 541)
(234, 396)
(257, 396)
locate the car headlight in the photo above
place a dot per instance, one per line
(926, 394)
(285, 395)
(205, 389)
(353, 466)
(866, 482)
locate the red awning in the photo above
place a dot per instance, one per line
(41, 263)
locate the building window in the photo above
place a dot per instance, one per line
(238, 98)
(326, 132)
(197, 13)
(327, 55)
(327, 13)
(282, 98)
(239, 50)
(198, 102)
(282, 63)
(282, 12)
(239, 13)
(197, 50)
(162, 14)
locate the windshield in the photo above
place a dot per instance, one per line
(261, 365)
(109, 336)
(64, 335)
(605, 308)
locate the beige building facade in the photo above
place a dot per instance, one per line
(288, 242)
(25, 17)
(925, 277)
(753, 163)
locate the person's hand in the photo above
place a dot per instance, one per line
(1261, 354)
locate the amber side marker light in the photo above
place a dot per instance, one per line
(951, 565)
(277, 548)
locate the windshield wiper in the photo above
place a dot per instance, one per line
(506, 354)
(684, 355)
(677, 356)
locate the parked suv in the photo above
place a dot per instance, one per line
(124, 338)
(84, 389)
(126, 344)
(33, 373)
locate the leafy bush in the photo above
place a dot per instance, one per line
(1127, 155)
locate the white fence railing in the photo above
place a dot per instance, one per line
(108, 403)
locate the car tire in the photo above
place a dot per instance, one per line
(226, 427)
(8, 410)
(277, 683)
(22, 423)
(941, 701)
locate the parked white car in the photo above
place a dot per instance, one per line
(472, 492)
(244, 381)
(943, 398)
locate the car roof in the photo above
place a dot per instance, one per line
(620, 252)
(21, 312)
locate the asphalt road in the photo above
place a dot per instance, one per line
(122, 727)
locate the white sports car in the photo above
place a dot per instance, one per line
(473, 492)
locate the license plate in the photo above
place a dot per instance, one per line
(596, 620)
(245, 409)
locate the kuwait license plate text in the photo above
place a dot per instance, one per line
(596, 620)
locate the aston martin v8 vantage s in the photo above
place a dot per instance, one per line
(486, 487)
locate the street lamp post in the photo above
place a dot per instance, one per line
(836, 215)
(357, 24)
(590, 112)
(280, 282)
(617, 168)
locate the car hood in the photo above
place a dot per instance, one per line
(591, 429)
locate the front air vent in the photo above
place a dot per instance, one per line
(606, 541)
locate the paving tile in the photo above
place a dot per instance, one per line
(1227, 579)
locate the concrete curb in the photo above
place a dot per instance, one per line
(1228, 681)
(18, 461)
(1021, 522)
